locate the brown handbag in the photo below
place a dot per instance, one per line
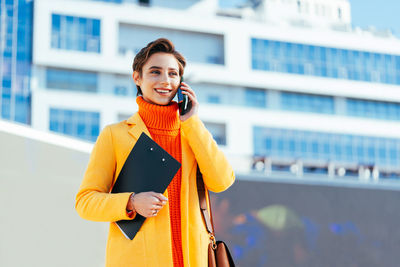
(218, 252)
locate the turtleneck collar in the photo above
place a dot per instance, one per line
(157, 116)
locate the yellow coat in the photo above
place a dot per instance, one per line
(152, 245)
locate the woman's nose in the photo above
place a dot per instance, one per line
(165, 79)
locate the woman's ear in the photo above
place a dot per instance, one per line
(136, 78)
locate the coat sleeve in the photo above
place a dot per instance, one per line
(217, 173)
(93, 200)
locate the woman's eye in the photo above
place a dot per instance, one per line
(173, 74)
(155, 71)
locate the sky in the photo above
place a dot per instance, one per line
(383, 14)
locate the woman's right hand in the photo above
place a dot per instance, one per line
(148, 204)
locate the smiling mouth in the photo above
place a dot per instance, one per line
(163, 91)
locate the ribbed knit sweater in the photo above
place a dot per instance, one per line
(164, 126)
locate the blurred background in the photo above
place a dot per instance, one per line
(303, 100)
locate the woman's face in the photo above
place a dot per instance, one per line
(160, 78)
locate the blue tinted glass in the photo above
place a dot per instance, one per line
(371, 154)
(255, 98)
(81, 124)
(300, 51)
(54, 125)
(382, 153)
(70, 22)
(397, 59)
(310, 52)
(81, 34)
(308, 103)
(22, 108)
(7, 84)
(346, 148)
(71, 80)
(325, 62)
(96, 27)
(268, 143)
(292, 146)
(314, 147)
(55, 22)
(342, 57)
(81, 130)
(322, 54)
(303, 146)
(393, 156)
(301, 69)
(289, 50)
(326, 148)
(277, 49)
(280, 144)
(378, 61)
(15, 104)
(214, 99)
(373, 109)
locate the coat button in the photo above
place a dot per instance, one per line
(151, 149)
(163, 159)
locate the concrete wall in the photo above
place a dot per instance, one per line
(38, 182)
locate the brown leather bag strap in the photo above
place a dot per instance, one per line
(203, 202)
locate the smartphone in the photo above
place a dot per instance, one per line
(183, 101)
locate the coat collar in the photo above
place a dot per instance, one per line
(138, 126)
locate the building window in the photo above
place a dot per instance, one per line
(325, 61)
(218, 131)
(221, 94)
(307, 103)
(71, 80)
(124, 86)
(75, 33)
(214, 99)
(121, 90)
(196, 46)
(316, 146)
(255, 98)
(373, 109)
(82, 124)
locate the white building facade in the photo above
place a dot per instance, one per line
(284, 85)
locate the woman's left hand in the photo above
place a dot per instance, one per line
(192, 97)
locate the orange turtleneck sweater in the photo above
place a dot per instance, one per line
(164, 126)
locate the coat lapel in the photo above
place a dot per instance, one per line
(138, 126)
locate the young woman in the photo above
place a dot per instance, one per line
(174, 233)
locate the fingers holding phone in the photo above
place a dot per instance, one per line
(189, 106)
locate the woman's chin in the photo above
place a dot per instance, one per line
(162, 102)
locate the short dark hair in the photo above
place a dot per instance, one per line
(160, 45)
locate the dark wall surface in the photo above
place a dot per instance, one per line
(287, 224)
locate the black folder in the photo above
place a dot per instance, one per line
(148, 168)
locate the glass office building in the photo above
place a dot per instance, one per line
(15, 59)
(331, 62)
(298, 89)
